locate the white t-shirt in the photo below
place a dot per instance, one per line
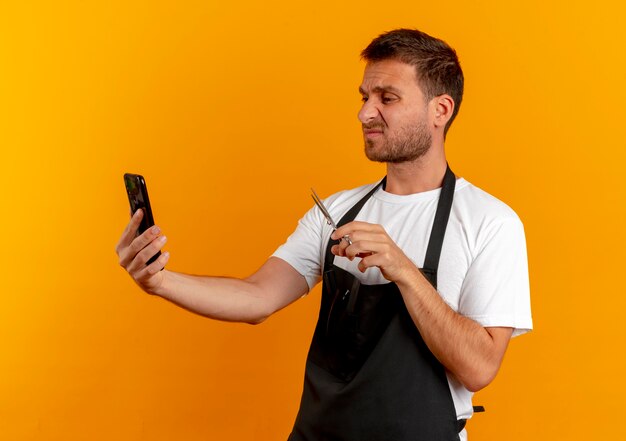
(483, 270)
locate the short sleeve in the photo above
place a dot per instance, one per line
(496, 289)
(302, 250)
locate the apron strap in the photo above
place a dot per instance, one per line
(351, 214)
(444, 206)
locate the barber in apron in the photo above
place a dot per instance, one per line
(369, 375)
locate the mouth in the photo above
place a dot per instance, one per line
(372, 133)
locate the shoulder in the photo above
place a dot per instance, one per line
(472, 202)
(482, 217)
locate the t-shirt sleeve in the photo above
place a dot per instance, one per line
(302, 250)
(496, 289)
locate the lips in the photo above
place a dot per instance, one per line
(372, 132)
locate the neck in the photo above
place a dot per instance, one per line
(423, 174)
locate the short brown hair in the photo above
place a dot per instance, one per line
(436, 64)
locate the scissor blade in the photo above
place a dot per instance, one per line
(323, 209)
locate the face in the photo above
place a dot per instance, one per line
(394, 114)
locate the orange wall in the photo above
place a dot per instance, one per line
(232, 110)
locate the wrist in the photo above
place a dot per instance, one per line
(412, 280)
(161, 288)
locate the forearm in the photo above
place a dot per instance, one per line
(472, 353)
(273, 286)
(463, 346)
(219, 298)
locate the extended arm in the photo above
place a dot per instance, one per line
(468, 350)
(275, 285)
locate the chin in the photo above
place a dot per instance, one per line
(372, 156)
(371, 153)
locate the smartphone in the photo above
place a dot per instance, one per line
(138, 199)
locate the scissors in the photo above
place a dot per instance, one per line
(326, 214)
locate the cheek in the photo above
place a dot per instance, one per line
(397, 122)
(414, 118)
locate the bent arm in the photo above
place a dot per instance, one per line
(251, 300)
(467, 349)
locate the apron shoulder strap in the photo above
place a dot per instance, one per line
(444, 206)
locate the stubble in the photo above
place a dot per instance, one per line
(411, 143)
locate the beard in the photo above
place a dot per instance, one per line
(410, 143)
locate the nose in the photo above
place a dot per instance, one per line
(368, 112)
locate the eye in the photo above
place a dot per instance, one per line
(386, 99)
(364, 98)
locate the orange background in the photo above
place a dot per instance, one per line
(232, 110)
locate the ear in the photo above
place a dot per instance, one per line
(443, 106)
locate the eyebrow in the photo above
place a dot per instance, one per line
(381, 89)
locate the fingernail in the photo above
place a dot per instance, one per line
(156, 230)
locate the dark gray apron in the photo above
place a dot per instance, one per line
(369, 375)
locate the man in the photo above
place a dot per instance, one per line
(410, 324)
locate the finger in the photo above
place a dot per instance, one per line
(343, 243)
(373, 260)
(351, 227)
(364, 248)
(338, 250)
(141, 258)
(130, 231)
(128, 254)
(145, 273)
(363, 240)
(362, 266)
(138, 244)
(372, 236)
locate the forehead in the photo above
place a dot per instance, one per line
(389, 74)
